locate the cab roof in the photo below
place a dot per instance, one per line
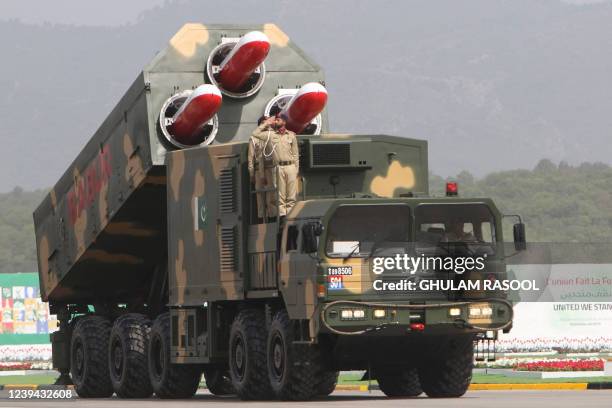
(317, 208)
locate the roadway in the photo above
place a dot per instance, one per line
(473, 399)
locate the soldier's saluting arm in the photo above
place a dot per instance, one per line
(261, 130)
(254, 151)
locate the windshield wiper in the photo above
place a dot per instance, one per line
(350, 255)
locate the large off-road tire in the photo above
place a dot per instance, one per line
(88, 357)
(169, 380)
(127, 356)
(247, 355)
(294, 370)
(448, 372)
(218, 381)
(327, 382)
(399, 381)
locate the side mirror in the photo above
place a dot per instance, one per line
(520, 240)
(310, 232)
(318, 228)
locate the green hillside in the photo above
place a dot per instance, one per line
(17, 243)
(559, 203)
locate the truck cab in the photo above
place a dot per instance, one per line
(347, 241)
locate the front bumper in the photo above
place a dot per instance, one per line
(392, 319)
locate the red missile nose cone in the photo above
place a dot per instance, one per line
(195, 112)
(304, 106)
(243, 60)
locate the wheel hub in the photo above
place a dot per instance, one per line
(278, 356)
(239, 358)
(117, 359)
(239, 355)
(79, 359)
(158, 357)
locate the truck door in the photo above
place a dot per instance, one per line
(288, 281)
(297, 273)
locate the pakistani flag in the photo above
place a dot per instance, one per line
(200, 213)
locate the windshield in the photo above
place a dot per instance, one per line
(445, 226)
(354, 230)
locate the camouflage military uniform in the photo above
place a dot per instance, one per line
(277, 152)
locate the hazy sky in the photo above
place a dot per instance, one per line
(491, 85)
(78, 12)
(107, 12)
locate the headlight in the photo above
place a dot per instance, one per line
(346, 314)
(379, 313)
(358, 314)
(486, 311)
(351, 314)
(454, 311)
(475, 311)
(483, 310)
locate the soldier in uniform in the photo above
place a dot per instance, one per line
(257, 169)
(273, 150)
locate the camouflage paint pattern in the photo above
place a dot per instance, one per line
(197, 218)
(101, 230)
(194, 175)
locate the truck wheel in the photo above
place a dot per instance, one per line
(294, 370)
(218, 381)
(327, 383)
(449, 373)
(169, 380)
(127, 356)
(88, 362)
(399, 382)
(247, 355)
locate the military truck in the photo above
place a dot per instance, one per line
(153, 258)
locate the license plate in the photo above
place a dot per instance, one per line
(340, 270)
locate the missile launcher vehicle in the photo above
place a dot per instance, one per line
(152, 256)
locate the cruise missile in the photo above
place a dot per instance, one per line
(243, 60)
(304, 106)
(194, 113)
